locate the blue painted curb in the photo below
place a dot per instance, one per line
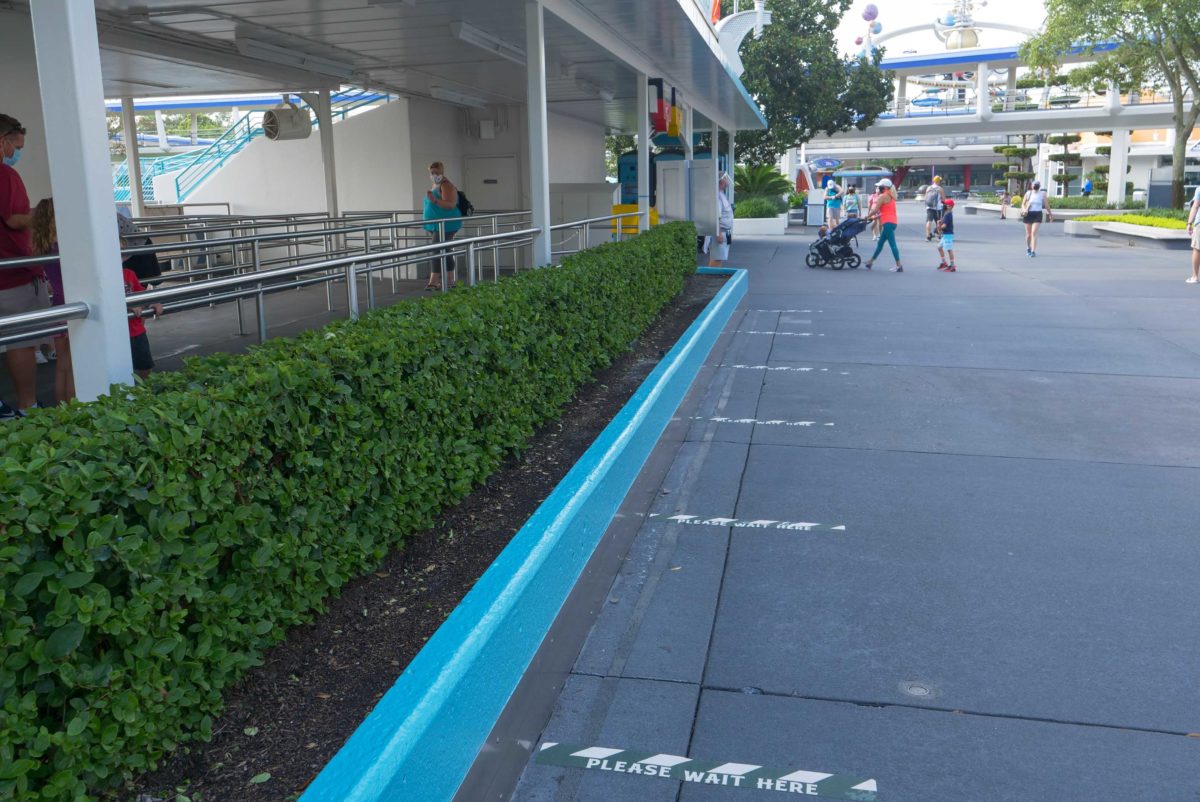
(421, 739)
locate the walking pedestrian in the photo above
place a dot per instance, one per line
(887, 214)
(720, 248)
(1005, 202)
(833, 204)
(441, 207)
(851, 203)
(872, 212)
(22, 289)
(1033, 205)
(1087, 187)
(946, 243)
(1193, 230)
(934, 197)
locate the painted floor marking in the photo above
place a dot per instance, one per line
(761, 422)
(749, 776)
(738, 523)
(780, 368)
(779, 333)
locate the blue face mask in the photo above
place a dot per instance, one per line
(12, 160)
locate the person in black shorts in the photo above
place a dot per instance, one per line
(935, 198)
(1033, 206)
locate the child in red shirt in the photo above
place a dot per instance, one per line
(139, 343)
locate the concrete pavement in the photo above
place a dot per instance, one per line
(1008, 612)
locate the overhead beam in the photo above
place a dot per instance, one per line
(586, 23)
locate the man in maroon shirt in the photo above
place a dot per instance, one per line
(21, 288)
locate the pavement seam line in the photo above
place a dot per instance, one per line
(953, 710)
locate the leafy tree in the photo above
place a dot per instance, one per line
(614, 146)
(1159, 43)
(1067, 159)
(801, 82)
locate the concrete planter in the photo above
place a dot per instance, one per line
(1075, 228)
(760, 226)
(1145, 236)
(1060, 215)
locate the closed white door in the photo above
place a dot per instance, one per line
(491, 183)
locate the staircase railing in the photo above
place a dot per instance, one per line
(209, 160)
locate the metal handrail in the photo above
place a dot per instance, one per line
(305, 237)
(252, 284)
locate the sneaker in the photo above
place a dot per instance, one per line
(951, 269)
(40, 357)
(897, 269)
(8, 413)
(943, 266)
(1032, 254)
(1191, 280)
(867, 264)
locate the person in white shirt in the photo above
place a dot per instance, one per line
(720, 248)
(1193, 230)
(1033, 205)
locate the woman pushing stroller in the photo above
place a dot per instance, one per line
(886, 211)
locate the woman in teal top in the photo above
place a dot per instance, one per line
(441, 203)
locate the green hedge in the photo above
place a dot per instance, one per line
(758, 206)
(155, 543)
(1151, 220)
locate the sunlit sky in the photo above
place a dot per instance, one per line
(894, 14)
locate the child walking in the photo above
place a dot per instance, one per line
(139, 343)
(946, 244)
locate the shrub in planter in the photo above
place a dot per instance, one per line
(156, 542)
(796, 200)
(759, 207)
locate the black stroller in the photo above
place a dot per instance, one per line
(835, 249)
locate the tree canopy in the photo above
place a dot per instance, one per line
(804, 86)
(1159, 45)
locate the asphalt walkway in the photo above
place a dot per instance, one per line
(935, 535)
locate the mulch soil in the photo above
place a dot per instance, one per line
(288, 717)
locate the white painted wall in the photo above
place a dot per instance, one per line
(436, 136)
(372, 154)
(576, 151)
(374, 169)
(19, 97)
(383, 158)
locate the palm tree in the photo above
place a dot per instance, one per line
(759, 181)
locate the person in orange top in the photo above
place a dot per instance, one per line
(887, 215)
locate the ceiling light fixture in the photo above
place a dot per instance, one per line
(587, 87)
(265, 51)
(468, 33)
(452, 96)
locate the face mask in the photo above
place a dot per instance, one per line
(12, 160)
(437, 179)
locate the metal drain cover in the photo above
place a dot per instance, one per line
(921, 690)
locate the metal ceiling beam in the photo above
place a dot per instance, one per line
(587, 24)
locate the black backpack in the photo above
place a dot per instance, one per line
(465, 207)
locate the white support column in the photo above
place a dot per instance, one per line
(1112, 101)
(195, 129)
(325, 124)
(901, 96)
(133, 163)
(1118, 161)
(1010, 89)
(714, 205)
(732, 164)
(539, 147)
(161, 127)
(643, 145)
(983, 104)
(68, 60)
(689, 149)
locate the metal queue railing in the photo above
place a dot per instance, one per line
(256, 277)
